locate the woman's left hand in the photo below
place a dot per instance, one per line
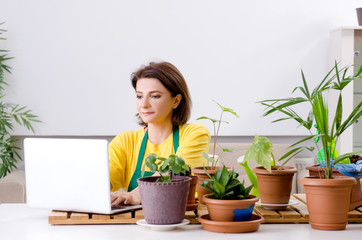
(127, 198)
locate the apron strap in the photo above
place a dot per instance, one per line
(137, 173)
(175, 136)
(142, 150)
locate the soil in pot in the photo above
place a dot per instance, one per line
(230, 210)
(275, 187)
(164, 203)
(356, 191)
(328, 201)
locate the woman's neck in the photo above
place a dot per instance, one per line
(158, 133)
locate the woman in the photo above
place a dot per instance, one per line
(164, 106)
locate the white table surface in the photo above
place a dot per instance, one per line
(18, 221)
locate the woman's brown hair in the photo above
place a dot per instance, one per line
(172, 79)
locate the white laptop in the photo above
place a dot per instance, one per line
(69, 175)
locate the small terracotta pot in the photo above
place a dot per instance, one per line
(200, 173)
(275, 187)
(191, 196)
(356, 192)
(230, 210)
(164, 203)
(328, 201)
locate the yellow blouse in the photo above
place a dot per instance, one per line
(124, 148)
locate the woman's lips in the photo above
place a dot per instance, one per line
(147, 113)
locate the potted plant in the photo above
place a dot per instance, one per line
(229, 202)
(212, 158)
(164, 197)
(274, 182)
(9, 112)
(328, 196)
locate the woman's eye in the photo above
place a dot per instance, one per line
(138, 96)
(155, 96)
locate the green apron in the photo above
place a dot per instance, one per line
(137, 173)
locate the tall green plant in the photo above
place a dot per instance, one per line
(216, 125)
(8, 113)
(319, 114)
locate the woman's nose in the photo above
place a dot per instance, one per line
(145, 102)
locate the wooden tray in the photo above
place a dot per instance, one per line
(70, 218)
(294, 214)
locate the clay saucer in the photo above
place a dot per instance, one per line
(231, 227)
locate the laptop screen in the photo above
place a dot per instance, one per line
(67, 174)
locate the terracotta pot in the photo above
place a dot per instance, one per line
(200, 173)
(230, 210)
(164, 203)
(191, 196)
(275, 187)
(356, 192)
(328, 201)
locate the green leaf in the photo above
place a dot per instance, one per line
(204, 117)
(338, 115)
(218, 188)
(207, 173)
(165, 164)
(180, 161)
(175, 168)
(288, 102)
(225, 109)
(164, 170)
(207, 157)
(224, 149)
(153, 167)
(224, 177)
(151, 159)
(166, 179)
(347, 155)
(260, 151)
(306, 90)
(351, 119)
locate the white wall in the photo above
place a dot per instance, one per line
(73, 58)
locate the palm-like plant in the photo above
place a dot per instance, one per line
(226, 185)
(8, 113)
(319, 114)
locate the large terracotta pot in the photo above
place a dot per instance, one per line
(275, 187)
(328, 201)
(164, 203)
(230, 210)
(356, 192)
(200, 173)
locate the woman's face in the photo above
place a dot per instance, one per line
(154, 102)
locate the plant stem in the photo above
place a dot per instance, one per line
(272, 155)
(216, 136)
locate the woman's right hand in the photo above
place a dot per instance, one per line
(127, 198)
